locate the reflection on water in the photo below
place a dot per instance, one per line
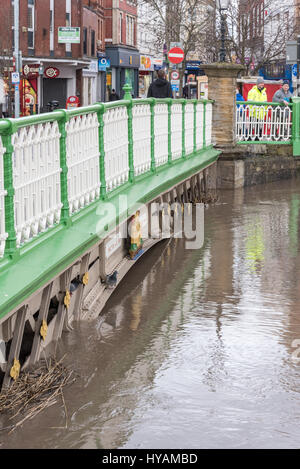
(195, 349)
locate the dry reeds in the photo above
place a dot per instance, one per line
(35, 391)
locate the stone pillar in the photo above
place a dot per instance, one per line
(222, 89)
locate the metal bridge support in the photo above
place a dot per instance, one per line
(41, 322)
(13, 364)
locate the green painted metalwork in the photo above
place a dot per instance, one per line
(10, 246)
(100, 114)
(204, 124)
(296, 127)
(26, 269)
(152, 107)
(127, 96)
(170, 101)
(36, 267)
(65, 211)
(183, 128)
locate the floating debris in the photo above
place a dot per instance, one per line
(35, 391)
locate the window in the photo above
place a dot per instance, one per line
(51, 29)
(85, 41)
(68, 23)
(30, 24)
(120, 27)
(93, 43)
(130, 30)
(68, 19)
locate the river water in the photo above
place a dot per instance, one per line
(195, 349)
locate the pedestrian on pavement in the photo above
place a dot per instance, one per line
(258, 92)
(283, 119)
(113, 96)
(185, 91)
(283, 95)
(161, 87)
(257, 113)
(239, 96)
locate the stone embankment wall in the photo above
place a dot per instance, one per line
(249, 165)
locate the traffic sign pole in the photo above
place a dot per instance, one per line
(16, 55)
(298, 63)
(176, 55)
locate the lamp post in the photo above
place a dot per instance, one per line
(17, 55)
(223, 6)
(41, 73)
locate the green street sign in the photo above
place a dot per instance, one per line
(68, 35)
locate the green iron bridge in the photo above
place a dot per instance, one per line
(68, 181)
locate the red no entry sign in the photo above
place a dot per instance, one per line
(176, 55)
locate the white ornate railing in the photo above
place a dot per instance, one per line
(189, 128)
(3, 234)
(116, 147)
(59, 163)
(199, 125)
(161, 134)
(83, 158)
(208, 124)
(141, 130)
(263, 122)
(36, 175)
(176, 130)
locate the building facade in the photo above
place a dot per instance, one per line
(121, 45)
(56, 64)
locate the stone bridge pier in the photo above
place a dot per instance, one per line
(243, 164)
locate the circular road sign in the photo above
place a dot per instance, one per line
(176, 55)
(174, 75)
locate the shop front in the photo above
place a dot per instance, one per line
(192, 72)
(124, 68)
(146, 72)
(29, 90)
(90, 85)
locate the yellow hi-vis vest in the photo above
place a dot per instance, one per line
(259, 96)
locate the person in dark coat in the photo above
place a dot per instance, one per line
(114, 96)
(160, 88)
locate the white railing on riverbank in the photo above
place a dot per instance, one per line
(268, 122)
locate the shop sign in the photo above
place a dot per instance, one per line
(68, 35)
(195, 65)
(146, 63)
(31, 71)
(52, 72)
(72, 101)
(15, 78)
(103, 64)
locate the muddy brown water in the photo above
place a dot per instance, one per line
(195, 349)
